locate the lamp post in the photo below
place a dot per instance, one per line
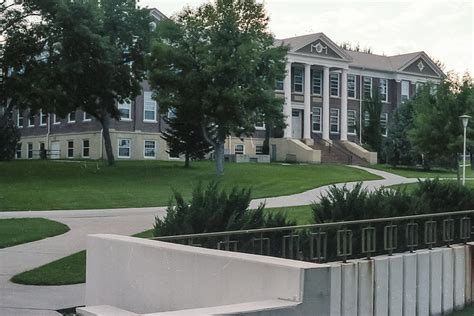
(465, 121)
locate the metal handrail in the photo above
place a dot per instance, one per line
(332, 145)
(324, 225)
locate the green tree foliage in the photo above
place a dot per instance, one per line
(397, 147)
(81, 54)
(437, 131)
(212, 209)
(9, 137)
(218, 62)
(371, 129)
(184, 137)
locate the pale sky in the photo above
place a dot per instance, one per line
(444, 29)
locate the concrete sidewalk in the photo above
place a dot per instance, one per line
(44, 300)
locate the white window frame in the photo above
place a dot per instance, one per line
(68, 148)
(18, 117)
(384, 117)
(355, 122)
(313, 119)
(55, 120)
(238, 153)
(29, 120)
(317, 82)
(69, 117)
(148, 99)
(332, 77)
(88, 148)
(278, 84)
(405, 85)
(29, 148)
(18, 150)
(364, 85)
(41, 115)
(382, 88)
(145, 149)
(299, 70)
(84, 117)
(262, 126)
(129, 147)
(126, 105)
(259, 152)
(331, 116)
(354, 87)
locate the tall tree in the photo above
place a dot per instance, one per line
(218, 61)
(437, 132)
(371, 129)
(87, 54)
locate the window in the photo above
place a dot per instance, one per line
(405, 90)
(259, 149)
(334, 79)
(56, 120)
(18, 151)
(316, 119)
(383, 123)
(351, 122)
(125, 109)
(30, 151)
(383, 89)
(86, 117)
(351, 86)
(149, 108)
(71, 117)
(279, 85)
(316, 82)
(149, 149)
(239, 149)
(19, 119)
(43, 118)
(433, 89)
(259, 123)
(298, 80)
(85, 148)
(124, 148)
(334, 121)
(366, 119)
(31, 120)
(367, 87)
(70, 149)
(418, 86)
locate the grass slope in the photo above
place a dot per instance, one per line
(22, 230)
(72, 269)
(49, 185)
(417, 172)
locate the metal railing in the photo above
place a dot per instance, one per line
(345, 240)
(331, 146)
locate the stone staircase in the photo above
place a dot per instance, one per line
(334, 152)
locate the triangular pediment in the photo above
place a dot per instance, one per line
(318, 45)
(422, 65)
(320, 48)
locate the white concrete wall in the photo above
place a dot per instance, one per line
(301, 151)
(143, 276)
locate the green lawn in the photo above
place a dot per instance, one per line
(72, 269)
(22, 230)
(49, 185)
(418, 172)
(411, 186)
(468, 311)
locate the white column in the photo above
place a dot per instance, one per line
(326, 89)
(287, 105)
(307, 103)
(344, 105)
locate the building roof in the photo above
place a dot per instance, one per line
(394, 63)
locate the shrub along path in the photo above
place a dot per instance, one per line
(17, 259)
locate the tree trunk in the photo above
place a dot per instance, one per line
(219, 156)
(186, 160)
(105, 121)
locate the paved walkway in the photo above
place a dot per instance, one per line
(44, 300)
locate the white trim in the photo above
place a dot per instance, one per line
(82, 151)
(313, 77)
(386, 89)
(18, 120)
(148, 97)
(363, 86)
(29, 120)
(144, 149)
(67, 149)
(69, 117)
(55, 120)
(243, 149)
(128, 106)
(355, 86)
(28, 146)
(320, 119)
(386, 123)
(84, 115)
(294, 80)
(41, 119)
(355, 122)
(338, 85)
(407, 88)
(338, 121)
(129, 147)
